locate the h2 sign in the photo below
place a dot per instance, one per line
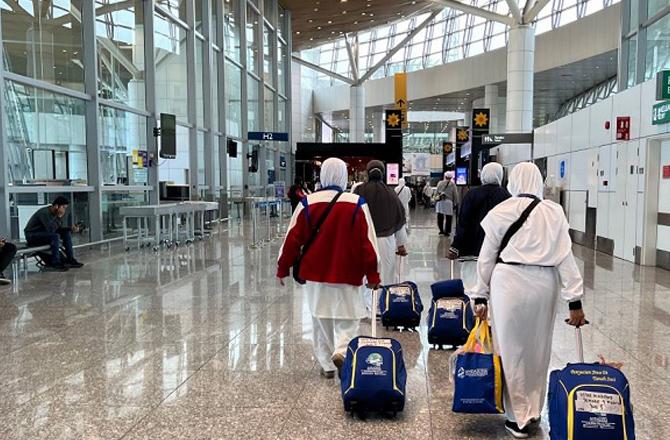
(268, 136)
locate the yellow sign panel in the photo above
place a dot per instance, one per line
(400, 81)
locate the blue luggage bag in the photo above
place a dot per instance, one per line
(373, 375)
(450, 317)
(589, 402)
(400, 305)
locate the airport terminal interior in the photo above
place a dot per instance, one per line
(155, 150)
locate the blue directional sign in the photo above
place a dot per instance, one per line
(268, 136)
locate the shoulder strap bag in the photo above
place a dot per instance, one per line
(310, 240)
(514, 227)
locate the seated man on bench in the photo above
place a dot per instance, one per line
(7, 252)
(46, 227)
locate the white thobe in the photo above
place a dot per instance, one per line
(336, 313)
(405, 196)
(522, 298)
(388, 267)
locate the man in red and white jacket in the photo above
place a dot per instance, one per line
(342, 257)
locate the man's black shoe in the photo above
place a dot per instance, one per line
(57, 268)
(73, 264)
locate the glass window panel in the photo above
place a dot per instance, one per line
(283, 23)
(268, 61)
(121, 54)
(269, 111)
(232, 29)
(112, 202)
(216, 158)
(201, 157)
(658, 47)
(632, 61)
(498, 41)
(477, 32)
(653, 6)
(568, 16)
(215, 92)
(281, 67)
(252, 43)
(233, 100)
(269, 11)
(253, 121)
(543, 25)
(199, 100)
(216, 35)
(175, 7)
(198, 15)
(122, 135)
(177, 170)
(43, 40)
(281, 116)
(434, 59)
(46, 136)
(171, 72)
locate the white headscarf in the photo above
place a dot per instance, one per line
(334, 173)
(526, 178)
(449, 175)
(492, 173)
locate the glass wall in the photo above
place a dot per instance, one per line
(646, 46)
(61, 109)
(451, 36)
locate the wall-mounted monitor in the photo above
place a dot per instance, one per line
(392, 173)
(232, 148)
(168, 136)
(253, 159)
(461, 176)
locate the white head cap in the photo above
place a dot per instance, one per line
(334, 173)
(401, 181)
(449, 175)
(526, 178)
(492, 173)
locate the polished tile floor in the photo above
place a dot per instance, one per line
(201, 343)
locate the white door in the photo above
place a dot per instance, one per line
(617, 224)
(630, 204)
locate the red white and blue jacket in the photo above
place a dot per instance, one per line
(345, 249)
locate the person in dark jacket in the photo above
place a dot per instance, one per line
(7, 252)
(474, 207)
(46, 226)
(297, 192)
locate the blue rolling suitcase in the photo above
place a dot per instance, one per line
(373, 375)
(589, 402)
(400, 305)
(450, 317)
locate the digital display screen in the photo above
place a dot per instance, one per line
(461, 176)
(168, 136)
(392, 174)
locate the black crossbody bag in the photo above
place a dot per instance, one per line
(310, 240)
(514, 227)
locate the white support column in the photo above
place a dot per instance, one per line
(491, 102)
(520, 64)
(357, 114)
(378, 128)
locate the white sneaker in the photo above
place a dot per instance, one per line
(5, 281)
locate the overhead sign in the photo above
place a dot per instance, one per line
(663, 85)
(623, 128)
(400, 82)
(268, 136)
(462, 135)
(481, 119)
(660, 113)
(507, 138)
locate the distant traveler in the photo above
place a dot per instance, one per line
(474, 207)
(343, 254)
(447, 200)
(405, 195)
(296, 192)
(46, 227)
(427, 194)
(7, 252)
(522, 284)
(388, 216)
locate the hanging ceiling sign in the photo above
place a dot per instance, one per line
(268, 136)
(507, 138)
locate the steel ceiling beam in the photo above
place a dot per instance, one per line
(515, 11)
(533, 12)
(484, 13)
(320, 69)
(353, 57)
(397, 47)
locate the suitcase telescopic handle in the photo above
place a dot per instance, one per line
(580, 344)
(375, 304)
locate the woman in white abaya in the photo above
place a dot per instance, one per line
(522, 288)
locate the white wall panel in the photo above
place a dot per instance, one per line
(602, 216)
(663, 238)
(592, 178)
(664, 184)
(580, 130)
(600, 112)
(579, 170)
(577, 212)
(564, 133)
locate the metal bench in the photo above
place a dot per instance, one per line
(22, 254)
